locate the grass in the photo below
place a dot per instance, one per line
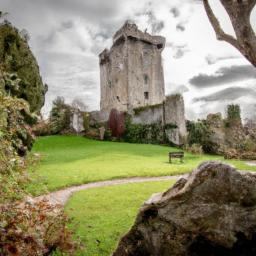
(73, 160)
(101, 216)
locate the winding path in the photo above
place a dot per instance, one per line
(61, 196)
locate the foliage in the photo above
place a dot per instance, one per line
(60, 116)
(102, 224)
(138, 110)
(116, 123)
(233, 114)
(170, 126)
(86, 121)
(143, 133)
(199, 133)
(33, 228)
(74, 160)
(194, 149)
(14, 123)
(24, 229)
(19, 61)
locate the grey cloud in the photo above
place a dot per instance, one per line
(228, 94)
(210, 59)
(175, 12)
(68, 24)
(180, 27)
(179, 50)
(224, 75)
(157, 25)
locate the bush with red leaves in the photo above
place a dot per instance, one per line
(116, 123)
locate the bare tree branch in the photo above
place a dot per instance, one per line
(220, 34)
(239, 12)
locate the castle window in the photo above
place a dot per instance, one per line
(146, 95)
(145, 79)
(117, 97)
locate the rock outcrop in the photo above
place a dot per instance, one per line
(18, 61)
(212, 212)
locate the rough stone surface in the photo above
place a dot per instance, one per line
(212, 212)
(17, 58)
(174, 113)
(170, 112)
(149, 115)
(77, 120)
(131, 72)
(98, 117)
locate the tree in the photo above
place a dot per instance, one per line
(239, 12)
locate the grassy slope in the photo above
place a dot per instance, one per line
(72, 160)
(101, 216)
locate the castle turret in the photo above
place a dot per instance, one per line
(131, 72)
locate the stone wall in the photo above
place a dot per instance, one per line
(175, 113)
(98, 117)
(77, 120)
(131, 72)
(148, 115)
(170, 114)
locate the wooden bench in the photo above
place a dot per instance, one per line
(179, 155)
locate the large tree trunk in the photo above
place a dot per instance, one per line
(239, 12)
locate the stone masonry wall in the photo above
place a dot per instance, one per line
(131, 72)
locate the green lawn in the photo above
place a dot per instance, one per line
(73, 160)
(101, 216)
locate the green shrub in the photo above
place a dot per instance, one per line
(195, 149)
(60, 116)
(86, 121)
(200, 133)
(143, 133)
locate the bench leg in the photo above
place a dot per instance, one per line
(170, 160)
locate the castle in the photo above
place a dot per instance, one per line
(131, 72)
(132, 78)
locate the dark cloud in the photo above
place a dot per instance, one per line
(180, 27)
(228, 94)
(224, 75)
(68, 24)
(157, 26)
(175, 12)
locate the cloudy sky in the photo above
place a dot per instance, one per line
(68, 35)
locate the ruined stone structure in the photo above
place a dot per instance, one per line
(131, 72)
(132, 78)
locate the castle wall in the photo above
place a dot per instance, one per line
(171, 112)
(175, 113)
(145, 74)
(113, 77)
(149, 115)
(131, 73)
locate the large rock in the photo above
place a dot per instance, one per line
(213, 212)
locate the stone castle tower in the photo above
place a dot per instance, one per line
(131, 72)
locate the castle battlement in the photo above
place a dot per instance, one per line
(131, 72)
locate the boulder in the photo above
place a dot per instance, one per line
(212, 212)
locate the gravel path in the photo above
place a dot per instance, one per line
(251, 163)
(62, 196)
